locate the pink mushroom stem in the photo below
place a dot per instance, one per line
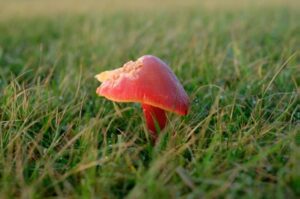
(155, 118)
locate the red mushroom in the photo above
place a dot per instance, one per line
(148, 81)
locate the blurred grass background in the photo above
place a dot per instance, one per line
(238, 61)
(29, 8)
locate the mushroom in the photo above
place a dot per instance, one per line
(148, 81)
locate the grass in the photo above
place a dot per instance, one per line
(240, 66)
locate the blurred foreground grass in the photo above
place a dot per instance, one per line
(238, 61)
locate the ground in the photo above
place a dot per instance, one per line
(238, 61)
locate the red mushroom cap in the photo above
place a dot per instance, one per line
(148, 81)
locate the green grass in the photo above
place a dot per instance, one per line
(241, 138)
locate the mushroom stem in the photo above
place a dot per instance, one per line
(155, 118)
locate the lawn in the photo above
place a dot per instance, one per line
(239, 62)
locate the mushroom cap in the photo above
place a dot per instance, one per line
(148, 81)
